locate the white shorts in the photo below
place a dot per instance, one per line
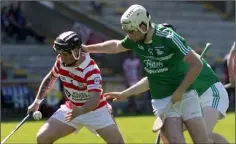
(94, 120)
(188, 108)
(216, 97)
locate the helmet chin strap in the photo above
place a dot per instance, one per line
(144, 38)
(145, 33)
(76, 58)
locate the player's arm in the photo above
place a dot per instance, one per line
(92, 103)
(110, 47)
(135, 89)
(140, 87)
(45, 86)
(94, 87)
(195, 67)
(230, 61)
(48, 82)
(188, 56)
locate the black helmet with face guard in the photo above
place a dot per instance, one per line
(67, 42)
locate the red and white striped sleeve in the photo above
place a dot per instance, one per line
(56, 67)
(93, 77)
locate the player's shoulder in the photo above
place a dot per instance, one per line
(167, 34)
(58, 57)
(89, 63)
(58, 60)
(162, 31)
(91, 69)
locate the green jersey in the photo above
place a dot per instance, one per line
(205, 79)
(162, 60)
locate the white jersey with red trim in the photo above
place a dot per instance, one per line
(79, 81)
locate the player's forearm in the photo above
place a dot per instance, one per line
(45, 86)
(92, 103)
(105, 47)
(191, 75)
(137, 88)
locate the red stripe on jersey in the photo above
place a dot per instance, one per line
(95, 90)
(89, 73)
(92, 62)
(79, 69)
(90, 82)
(72, 76)
(69, 85)
(69, 104)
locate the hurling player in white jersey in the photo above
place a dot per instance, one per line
(85, 105)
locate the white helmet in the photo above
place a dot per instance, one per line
(133, 17)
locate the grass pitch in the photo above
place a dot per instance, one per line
(135, 129)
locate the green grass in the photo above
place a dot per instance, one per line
(134, 130)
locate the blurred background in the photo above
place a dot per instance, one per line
(28, 30)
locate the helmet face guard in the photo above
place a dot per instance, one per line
(128, 27)
(68, 42)
(134, 17)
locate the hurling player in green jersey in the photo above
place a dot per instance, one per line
(171, 67)
(214, 99)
